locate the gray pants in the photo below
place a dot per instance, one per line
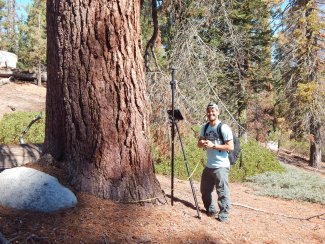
(219, 178)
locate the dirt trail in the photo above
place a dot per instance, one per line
(21, 97)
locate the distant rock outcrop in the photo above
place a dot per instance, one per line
(8, 59)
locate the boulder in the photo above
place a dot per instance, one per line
(8, 59)
(29, 189)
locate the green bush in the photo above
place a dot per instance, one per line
(13, 124)
(294, 184)
(255, 160)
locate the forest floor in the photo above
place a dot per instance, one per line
(21, 96)
(253, 219)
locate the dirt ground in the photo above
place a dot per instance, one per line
(254, 219)
(21, 97)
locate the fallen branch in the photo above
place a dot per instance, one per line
(148, 200)
(315, 216)
(36, 118)
(283, 215)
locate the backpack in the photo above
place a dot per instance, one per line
(232, 155)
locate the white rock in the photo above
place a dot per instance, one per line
(30, 189)
(272, 145)
(8, 59)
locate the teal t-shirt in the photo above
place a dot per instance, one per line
(216, 158)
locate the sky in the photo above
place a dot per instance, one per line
(21, 4)
(23, 1)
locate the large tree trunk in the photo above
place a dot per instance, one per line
(96, 110)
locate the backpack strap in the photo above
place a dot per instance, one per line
(219, 132)
(205, 128)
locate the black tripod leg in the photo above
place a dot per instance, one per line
(173, 159)
(188, 173)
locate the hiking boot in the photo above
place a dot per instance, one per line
(212, 214)
(222, 218)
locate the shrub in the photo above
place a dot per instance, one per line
(255, 160)
(13, 124)
(294, 184)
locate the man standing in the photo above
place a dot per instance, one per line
(217, 167)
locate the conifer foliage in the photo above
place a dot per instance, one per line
(23, 32)
(8, 22)
(300, 61)
(32, 41)
(261, 60)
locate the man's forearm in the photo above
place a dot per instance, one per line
(223, 147)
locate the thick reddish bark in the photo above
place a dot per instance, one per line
(96, 123)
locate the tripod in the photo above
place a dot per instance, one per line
(174, 116)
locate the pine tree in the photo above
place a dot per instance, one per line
(2, 16)
(222, 51)
(302, 74)
(8, 22)
(32, 38)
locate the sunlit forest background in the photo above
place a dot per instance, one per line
(261, 61)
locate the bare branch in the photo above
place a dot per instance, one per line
(153, 39)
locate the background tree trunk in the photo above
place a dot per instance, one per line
(315, 159)
(96, 109)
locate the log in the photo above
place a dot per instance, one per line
(18, 155)
(21, 75)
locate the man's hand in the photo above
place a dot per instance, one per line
(201, 142)
(208, 144)
(205, 143)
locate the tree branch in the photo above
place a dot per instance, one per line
(153, 39)
(283, 215)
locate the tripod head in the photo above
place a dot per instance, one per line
(177, 114)
(173, 81)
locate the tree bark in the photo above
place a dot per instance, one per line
(96, 108)
(315, 157)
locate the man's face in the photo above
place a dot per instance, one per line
(212, 114)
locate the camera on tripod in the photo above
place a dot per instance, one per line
(177, 114)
